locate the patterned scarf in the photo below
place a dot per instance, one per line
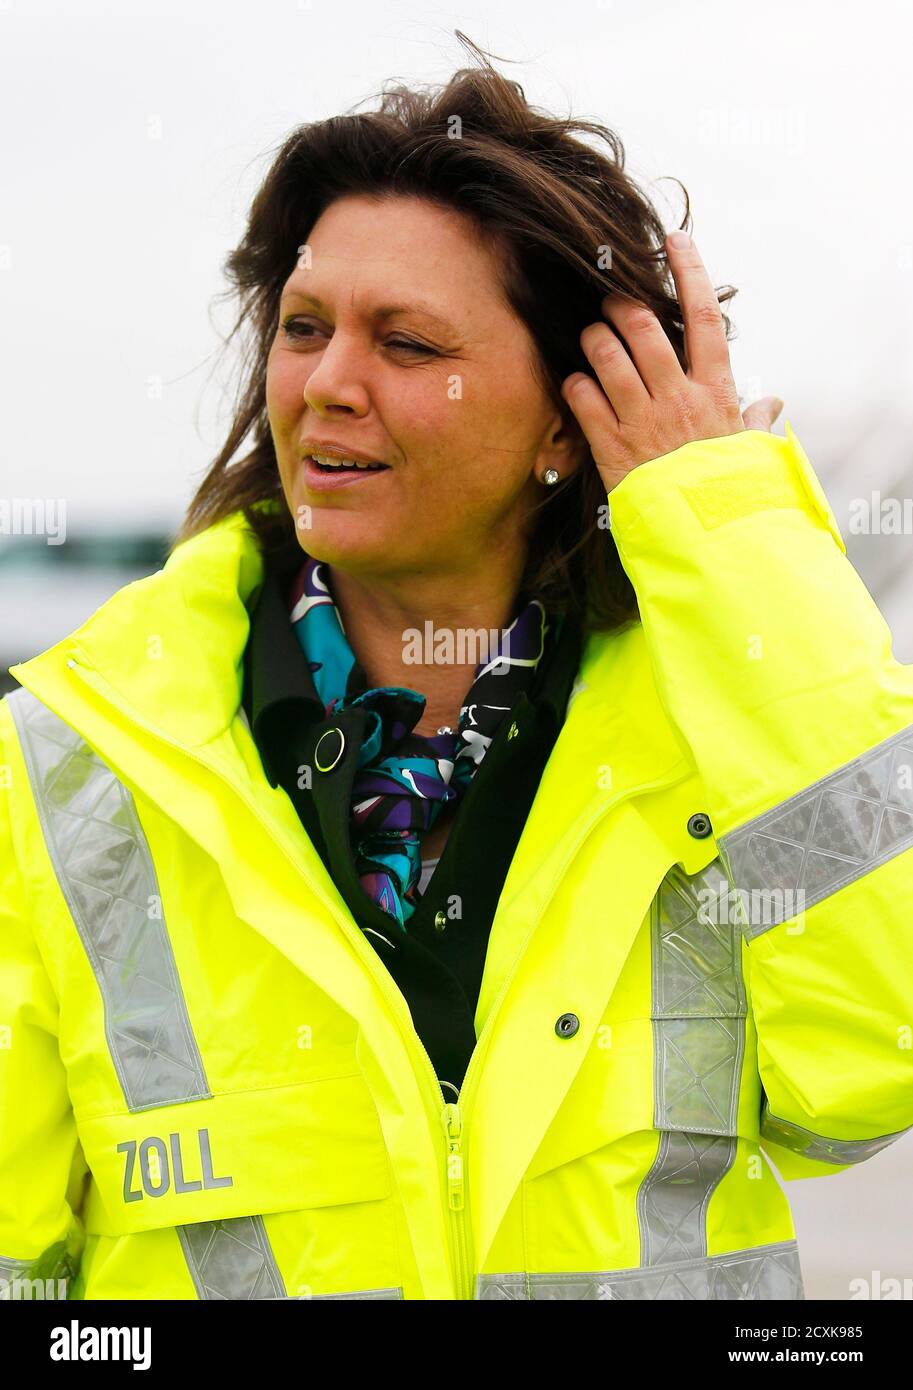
(403, 779)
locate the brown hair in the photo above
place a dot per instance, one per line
(549, 202)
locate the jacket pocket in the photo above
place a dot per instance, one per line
(235, 1154)
(283, 1192)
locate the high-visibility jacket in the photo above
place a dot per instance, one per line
(701, 963)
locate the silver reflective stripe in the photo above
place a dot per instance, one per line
(47, 1276)
(105, 871)
(825, 836)
(699, 1009)
(763, 1272)
(366, 1293)
(810, 1145)
(233, 1259)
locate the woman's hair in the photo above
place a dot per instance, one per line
(570, 226)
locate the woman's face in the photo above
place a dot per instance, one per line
(397, 345)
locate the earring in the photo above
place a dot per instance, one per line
(550, 476)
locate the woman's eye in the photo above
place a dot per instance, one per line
(410, 347)
(292, 329)
(299, 331)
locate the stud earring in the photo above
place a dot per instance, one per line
(550, 476)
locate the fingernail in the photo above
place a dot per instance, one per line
(680, 240)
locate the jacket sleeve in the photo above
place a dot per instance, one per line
(775, 666)
(42, 1168)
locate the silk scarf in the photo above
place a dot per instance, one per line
(404, 779)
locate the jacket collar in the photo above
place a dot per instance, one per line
(171, 646)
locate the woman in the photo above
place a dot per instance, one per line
(258, 1048)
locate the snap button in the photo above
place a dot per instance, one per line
(329, 733)
(440, 921)
(699, 825)
(567, 1025)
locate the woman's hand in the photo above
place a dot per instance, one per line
(649, 406)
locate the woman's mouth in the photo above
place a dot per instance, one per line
(322, 473)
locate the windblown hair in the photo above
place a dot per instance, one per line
(570, 226)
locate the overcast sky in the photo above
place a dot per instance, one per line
(134, 136)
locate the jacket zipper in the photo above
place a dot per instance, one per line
(456, 1195)
(452, 1114)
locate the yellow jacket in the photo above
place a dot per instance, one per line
(702, 957)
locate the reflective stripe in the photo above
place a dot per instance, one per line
(233, 1259)
(810, 1145)
(13, 1269)
(764, 1271)
(825, 836)
(105, 871)
(47, 1276)
(699, 1009)
(366, 1293)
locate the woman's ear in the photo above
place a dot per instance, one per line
(565, 448)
